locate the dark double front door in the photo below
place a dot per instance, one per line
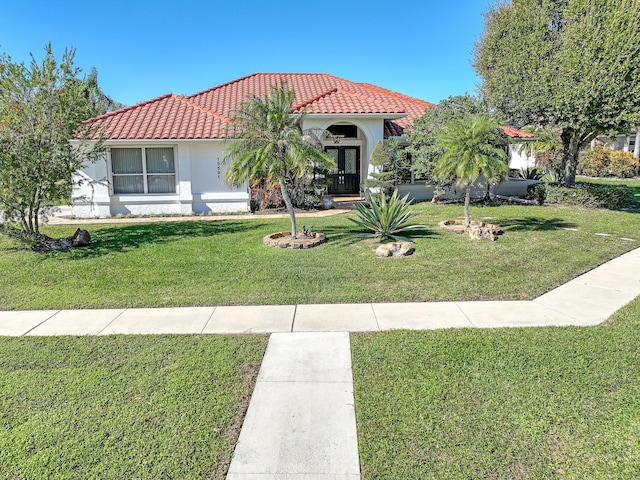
(346, 178)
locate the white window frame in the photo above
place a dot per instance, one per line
(144, 170)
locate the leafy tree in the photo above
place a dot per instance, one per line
(267, 142)
(421, 135)
(569, 63)
(472, 148)
(42, 107)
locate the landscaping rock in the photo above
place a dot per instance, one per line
(477, 232)
(395, 249)
(80, 238)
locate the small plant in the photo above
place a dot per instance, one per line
(531, 173)
(537, 192)
(386, 219)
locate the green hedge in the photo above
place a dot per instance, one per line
(590, 195)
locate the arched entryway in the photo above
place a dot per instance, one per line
(343, 143)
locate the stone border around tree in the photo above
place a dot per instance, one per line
(284, 240)
(457, 226)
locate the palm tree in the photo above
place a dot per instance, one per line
(266, 142)
(472, 149)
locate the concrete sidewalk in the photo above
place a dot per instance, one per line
(586, 300)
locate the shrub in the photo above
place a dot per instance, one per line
(550, 160)
(623, 164)
(530, 173)
(383, 178)
(592, 196)
(386, 219)
(603, 161)
(537, 192)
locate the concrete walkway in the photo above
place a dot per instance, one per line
(64, 215)
(301, 419)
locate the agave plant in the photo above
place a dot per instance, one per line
(531, 173)
(387, 219)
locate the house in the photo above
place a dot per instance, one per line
(628, 142)
(165, 155)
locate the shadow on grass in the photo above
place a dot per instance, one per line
(344, 236)
(533, 224)
(126, 238)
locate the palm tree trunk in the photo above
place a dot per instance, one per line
(289, 205)
(467, 201)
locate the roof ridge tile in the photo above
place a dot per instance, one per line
(132, 107)
(370, 86)
(206, 110)
(377, 101)
(305, 103)
(216, 87)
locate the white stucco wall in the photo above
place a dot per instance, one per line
(521, 156)
(200, 186)
(510, 187)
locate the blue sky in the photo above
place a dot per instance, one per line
(145, 49)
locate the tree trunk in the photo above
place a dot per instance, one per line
(467, 201)
(636, 148)
(289, 205)
(571, 147)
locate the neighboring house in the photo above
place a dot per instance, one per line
(521, 154)
(165, 155)
(628, 142)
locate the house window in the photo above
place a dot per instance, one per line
(343, 131)
(143, 170)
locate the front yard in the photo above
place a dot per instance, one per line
(225, 263)
(498, 404)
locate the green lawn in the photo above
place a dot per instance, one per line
(542, 403)
(225, 263)
(123, 407)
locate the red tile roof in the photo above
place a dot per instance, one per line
(516, 133)
(167, 117)
(204, 114)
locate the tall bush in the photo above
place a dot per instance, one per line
(605, 162)
(42, 107)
